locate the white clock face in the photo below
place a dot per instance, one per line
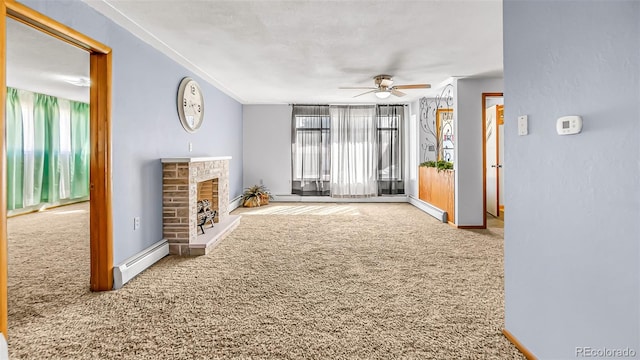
(190, 104)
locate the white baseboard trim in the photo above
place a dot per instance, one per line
(429, 209)
(45, 206)
(329, 199)
(235, 203)
(138, 263)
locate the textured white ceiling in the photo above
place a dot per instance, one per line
(273, 51)
(294, 51)
(41, 63)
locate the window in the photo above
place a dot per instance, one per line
(311, 149)
(390, 149)
(48, 149)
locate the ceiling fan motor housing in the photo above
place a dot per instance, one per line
(384, 87)
(383, 80)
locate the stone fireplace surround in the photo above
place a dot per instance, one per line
(180, 182)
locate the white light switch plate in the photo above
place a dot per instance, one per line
(523, 121)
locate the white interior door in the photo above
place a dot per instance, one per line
(500, 159)
(491, 160)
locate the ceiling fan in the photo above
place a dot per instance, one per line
(384, 87)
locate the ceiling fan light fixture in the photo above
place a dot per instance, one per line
(79, 81)
(383, 94)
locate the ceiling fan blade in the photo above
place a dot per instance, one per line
(364, 93)
(396, 92)
(357, 88)
(414, 86)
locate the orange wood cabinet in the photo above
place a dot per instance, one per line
(437, 188)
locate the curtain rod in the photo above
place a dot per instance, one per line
(348, 104)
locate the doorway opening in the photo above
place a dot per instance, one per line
(47, 167)
(493, 156)
(100, 224)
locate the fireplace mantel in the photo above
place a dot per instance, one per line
(180, 183)
(193, 159)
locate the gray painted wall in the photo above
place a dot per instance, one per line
(468, 148)
(145, 124)
(267, 147)
(572, 235)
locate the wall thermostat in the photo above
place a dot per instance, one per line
(569, 125)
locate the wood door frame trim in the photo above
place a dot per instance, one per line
(53, 28)
(101, 221)
(484, 155)
(527, 354)
(470, 227)
(3, 175)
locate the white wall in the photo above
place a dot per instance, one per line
(267, 147)
(413, 146)
(468, 148)
(572, 229)
(494, 101)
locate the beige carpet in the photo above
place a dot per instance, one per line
(293, 281)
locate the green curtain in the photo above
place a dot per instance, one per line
(79, 149)
(15, 156)
(46, 117)
(43, 161)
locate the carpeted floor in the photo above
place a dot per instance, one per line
(293, 281)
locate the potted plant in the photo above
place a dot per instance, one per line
(256, 195)
(440, 165)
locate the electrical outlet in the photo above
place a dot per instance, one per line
(136, 223)
(190, 146)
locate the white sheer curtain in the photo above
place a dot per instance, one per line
(65, 148)
(354, 153)
(27, 102)
(311, 152)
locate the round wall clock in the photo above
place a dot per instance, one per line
(190, 104)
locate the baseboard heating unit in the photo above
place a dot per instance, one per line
(235, 203)
(429, 209)
(138, 263)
